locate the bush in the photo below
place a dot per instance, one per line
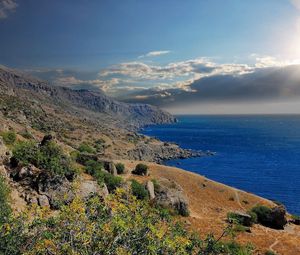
(99, 145)
(263, 214)
(120, 168)
(84, 147)
(9, 137)
(140, 169)
(112, 182)
(93, 167)
(139, 190)
(49, 157)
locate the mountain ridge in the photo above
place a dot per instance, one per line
(137, 115)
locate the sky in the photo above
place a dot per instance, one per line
(193, 56)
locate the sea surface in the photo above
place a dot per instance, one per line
(258, 154)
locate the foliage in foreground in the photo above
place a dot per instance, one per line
(121, 224)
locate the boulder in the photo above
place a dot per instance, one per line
(46, 139)
(110, 167)
(32, 201)
(90, 187)
(43, 200)
(242, 218)
(170, 195)
(150, 188)
(278, 217)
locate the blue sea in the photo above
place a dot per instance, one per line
(258, 154)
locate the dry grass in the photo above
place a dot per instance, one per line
(211, 201)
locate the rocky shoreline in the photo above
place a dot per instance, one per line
(163, 151)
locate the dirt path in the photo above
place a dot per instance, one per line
(237, 198)
(273, 245)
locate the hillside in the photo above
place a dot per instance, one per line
(16, 84)
(58, 146)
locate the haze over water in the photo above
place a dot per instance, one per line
(255, 153)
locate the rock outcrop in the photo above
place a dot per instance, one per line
(160, 151)
(277, 218)
(91, 187)
(150, 188)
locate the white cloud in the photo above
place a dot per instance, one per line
(176, 74)
(102, 84)
(138, 75)
(6, 7)
(155, 53)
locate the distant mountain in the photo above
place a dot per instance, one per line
(89, 103)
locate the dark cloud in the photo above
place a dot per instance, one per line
(263, 84)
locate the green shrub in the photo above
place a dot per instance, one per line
(99, 144)
(84, 147)
(253, 217)
(83, 157)
(140, 169)
(93, 167)
(120, 168)
(139, 190)
(9, 137)
(263, 214)
(26, 152)
(112, 182)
